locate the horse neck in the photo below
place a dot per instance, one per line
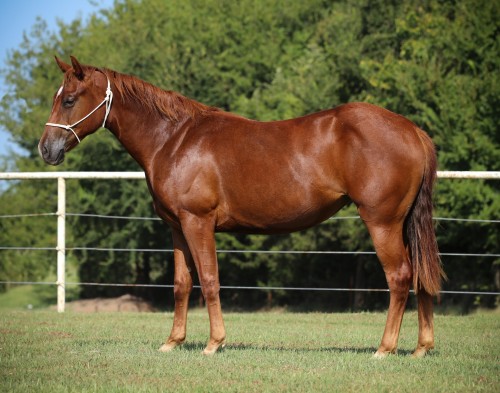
(141, 131)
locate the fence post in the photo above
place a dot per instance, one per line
(61, 243)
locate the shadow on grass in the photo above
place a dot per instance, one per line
(199, 346)
(281, 348)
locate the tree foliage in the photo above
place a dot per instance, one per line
(435, 62)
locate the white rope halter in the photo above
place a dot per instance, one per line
(107, 100)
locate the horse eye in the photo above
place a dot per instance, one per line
(68, 102)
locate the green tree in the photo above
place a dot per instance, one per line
(432, 61)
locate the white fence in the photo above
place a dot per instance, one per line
(61, 206)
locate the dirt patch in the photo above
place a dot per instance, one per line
(8, 331)
(59, 334)
(125, 303)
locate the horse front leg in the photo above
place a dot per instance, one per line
(183, 285)
(199, 234)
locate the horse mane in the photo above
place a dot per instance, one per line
(166, 103)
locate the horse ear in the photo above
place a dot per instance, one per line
(78, 69)
(62, 65)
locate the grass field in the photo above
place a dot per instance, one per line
(42, 351)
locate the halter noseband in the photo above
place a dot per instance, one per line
(107, 100)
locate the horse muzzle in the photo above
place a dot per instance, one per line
(52, 152)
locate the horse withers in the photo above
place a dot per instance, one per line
(209, 170)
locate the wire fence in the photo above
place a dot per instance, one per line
(232, 251)
(233, 287)
(61, 247)
(241, 287)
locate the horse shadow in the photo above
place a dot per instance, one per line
(240, 346)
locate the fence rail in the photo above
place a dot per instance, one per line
(61, 215)
(141, 175)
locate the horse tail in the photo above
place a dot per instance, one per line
(421, 238)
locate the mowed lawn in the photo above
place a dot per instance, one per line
(42, 351)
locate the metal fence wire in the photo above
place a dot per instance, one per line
(61, 247)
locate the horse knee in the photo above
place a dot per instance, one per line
(210, 288)
(182, 288)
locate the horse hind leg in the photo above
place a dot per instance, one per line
(393, 255)
(425, 324)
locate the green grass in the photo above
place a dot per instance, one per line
(267, 352)
(20, 298)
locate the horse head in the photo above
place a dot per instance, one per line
(81, 106)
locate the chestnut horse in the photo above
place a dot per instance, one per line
(209, 170)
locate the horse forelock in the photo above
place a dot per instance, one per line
(166, 103)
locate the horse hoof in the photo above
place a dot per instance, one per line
(419, 353)
(380, 355)
(211, 349)
(169, 347)
(383, 354)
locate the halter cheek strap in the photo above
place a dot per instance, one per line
(107, 100)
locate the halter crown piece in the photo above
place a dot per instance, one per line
(107, 100)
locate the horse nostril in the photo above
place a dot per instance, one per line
(60, 156)
(45, 151)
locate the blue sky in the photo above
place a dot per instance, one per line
(18, 16)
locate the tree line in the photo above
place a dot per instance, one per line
(435, 62)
